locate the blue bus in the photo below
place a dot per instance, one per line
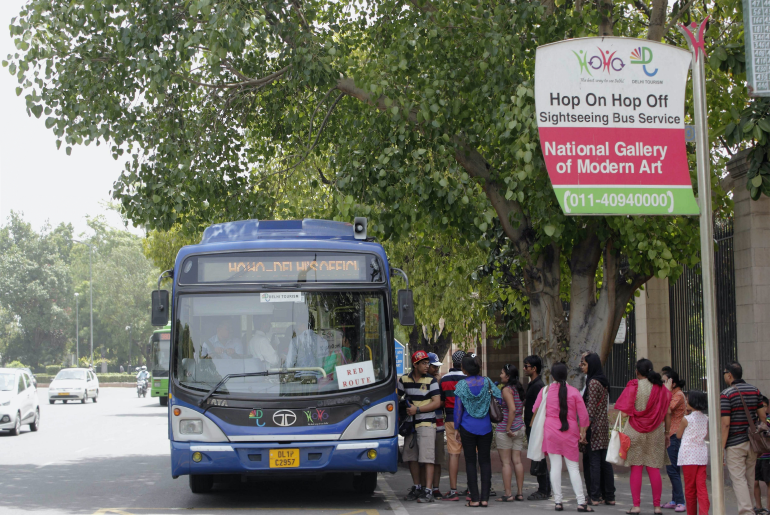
(282, 353)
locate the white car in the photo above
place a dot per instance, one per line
(18, 401)
(73, 384)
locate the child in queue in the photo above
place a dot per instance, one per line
(693, 453)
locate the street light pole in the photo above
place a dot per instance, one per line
(90, 291)
(128, 328)
(77, 330)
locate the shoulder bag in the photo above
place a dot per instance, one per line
(535, 446)
(617, 450)
(495, 411)
(759, 434)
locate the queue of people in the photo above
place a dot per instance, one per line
(664, 426)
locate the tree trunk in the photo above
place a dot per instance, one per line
(417, 341)
(657, 20)
(605, 9)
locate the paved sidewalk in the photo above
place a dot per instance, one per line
(401, 482)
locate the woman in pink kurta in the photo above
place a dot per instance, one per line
(566, 421)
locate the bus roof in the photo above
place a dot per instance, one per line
(253, 230)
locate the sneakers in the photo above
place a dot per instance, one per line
(680, 508)
(413, 494)
(451, 496)
(670, 505)
(437, 494)
(426, 496)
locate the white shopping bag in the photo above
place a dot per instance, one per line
(613, 450)
(535, 446)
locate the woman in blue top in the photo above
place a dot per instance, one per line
(472, 398)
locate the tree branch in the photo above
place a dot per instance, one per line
(677, 16)
(263, 81)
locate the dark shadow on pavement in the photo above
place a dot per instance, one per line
(139, 481)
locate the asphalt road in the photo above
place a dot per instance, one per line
(113, 457)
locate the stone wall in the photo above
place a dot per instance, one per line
(752, 277)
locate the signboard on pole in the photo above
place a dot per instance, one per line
(756, 34)
(610, 114)
(399, 358)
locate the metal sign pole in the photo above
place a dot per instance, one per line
(707, 263)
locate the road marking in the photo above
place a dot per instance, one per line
(392, 499)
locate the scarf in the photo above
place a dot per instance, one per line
(653, 414)
(596, 372)
(477, 406)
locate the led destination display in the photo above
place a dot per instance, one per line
(281, 267)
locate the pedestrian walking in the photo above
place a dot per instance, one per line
(566, 421)
(509, 434)
(421, 393)
(447, 386)
(532, 367)
(435, 370)
(471, 414)
(646, 400)
(599, 476)
(739, 457)
(677, 412)
(694, 453)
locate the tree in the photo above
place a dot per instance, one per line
(36, 289)
(423, 110)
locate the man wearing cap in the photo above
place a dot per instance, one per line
(447, 386)
(421, 392)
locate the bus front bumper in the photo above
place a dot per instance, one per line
(314, 457)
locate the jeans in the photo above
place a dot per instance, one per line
(544, 481)
(574, 478)
(484, 444)
(600, 478)
(674, 470)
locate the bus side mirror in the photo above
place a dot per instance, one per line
(160, 308)
(405, 308)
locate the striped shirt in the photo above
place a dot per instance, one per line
(447, 385)
(420, 393)
(731, 406)
(518, 413)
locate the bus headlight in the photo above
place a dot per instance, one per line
(191, 427)
(377, 423)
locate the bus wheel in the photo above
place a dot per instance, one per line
(164, 401)
(365, 483)
(201, 484)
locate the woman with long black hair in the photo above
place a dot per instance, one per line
(646, 400)
(563, 408)
(509, 434)
(600, 479)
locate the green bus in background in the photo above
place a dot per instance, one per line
(160, 343)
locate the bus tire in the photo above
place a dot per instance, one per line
(365, 483)
(164, 401)
(201, 483)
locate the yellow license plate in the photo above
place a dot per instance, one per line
(284, 458)
(63, 393)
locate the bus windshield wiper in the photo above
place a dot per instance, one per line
(229, 376)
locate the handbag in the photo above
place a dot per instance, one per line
(535, 447)
(759, 434)
(538, 468)
(615, 448)
(495, 411)
(405, 422)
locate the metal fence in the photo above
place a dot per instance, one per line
(688, 352)
(620, 366)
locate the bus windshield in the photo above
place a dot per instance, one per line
(310, 343)
(161, 353)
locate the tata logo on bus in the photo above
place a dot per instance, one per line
(284, 418)
(217, 402)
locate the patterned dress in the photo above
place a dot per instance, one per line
(598, 396)
(648, 449)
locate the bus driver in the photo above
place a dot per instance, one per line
(221, 346)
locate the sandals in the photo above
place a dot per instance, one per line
(558, 507)
(519, 497)
(629, 512)
(506, 498)
(584, 508)
(608, 503)
(469, 505)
